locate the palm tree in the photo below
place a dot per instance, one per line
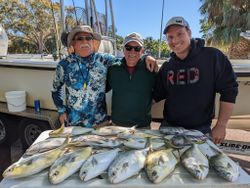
(224, 20)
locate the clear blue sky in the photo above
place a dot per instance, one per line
(144, 16)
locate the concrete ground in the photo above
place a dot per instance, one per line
(10, 154)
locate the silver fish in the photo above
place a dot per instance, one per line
(97, 164)
(137, 134)
(225, 167)
(45, 145)
(112, 130)
(172, 130)
(160, 164)
(68, 164)
(135, 143)
(182, 140)
(69, 131)
(156, 143)
(195, 162)
(96, 140)
(33, 164)
(126, 165)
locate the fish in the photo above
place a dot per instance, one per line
(97, 164)
(69, 131)
(168, 130)
(160, 164)
(224, 166)
(96, 140)
(68, 164)
(126, 165)
(112, 130)
(156, 143)
(137, 134)
(135, 143)
(181, 140)
(195, 162)
(33, 164)
(45, 145)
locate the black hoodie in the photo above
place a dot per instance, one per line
(189, 86)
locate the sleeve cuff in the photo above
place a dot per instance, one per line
(61, 110)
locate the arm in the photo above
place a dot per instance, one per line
(151, 64)
(159, 92)
(58, 94)
(219, 130)
(227, 86)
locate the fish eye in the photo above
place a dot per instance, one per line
(56, 173)
(113, 174)
(125, 165)
(10, 170)
(84, 172)
(154, 173)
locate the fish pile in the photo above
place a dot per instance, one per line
(119, 153)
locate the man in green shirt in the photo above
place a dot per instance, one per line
(132, 85)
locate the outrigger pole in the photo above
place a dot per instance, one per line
(162, 11)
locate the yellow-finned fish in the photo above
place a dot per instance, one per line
(195, 162)
(34, 164)
(97, 164)
(126, 165)
(45, 145)
(68, 164)
(160, 164)
(69, 131)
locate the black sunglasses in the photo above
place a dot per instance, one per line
(136, 48)
(87, 38)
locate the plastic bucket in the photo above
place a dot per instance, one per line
(16, 100)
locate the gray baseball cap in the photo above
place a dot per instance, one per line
(84, 29)
(177, 20)
(136, 37)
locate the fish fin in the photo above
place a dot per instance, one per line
(177, 154)
(57, 131)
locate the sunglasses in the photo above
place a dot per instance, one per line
(136, 48)
(87, 38)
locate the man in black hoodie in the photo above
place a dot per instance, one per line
(190, 80)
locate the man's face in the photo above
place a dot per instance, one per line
(132, 52)
(178, 39)
(83, 44)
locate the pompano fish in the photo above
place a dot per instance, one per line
(97, 164)
(172, 130)
(156, 143)
(182, 140)
(135, 143)
(69, 131)
(68, 164)
(225, 167)
(45, 145)
(33, 164)
(126, 165)
(136, 134)
(160, 164)
(195, 162)
(112, 130)
(96, 140)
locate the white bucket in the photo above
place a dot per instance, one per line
(16, 101)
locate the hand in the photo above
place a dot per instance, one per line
(63, 118)
(151, 64)
(218, 133)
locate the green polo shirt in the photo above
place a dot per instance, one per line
(132, 94)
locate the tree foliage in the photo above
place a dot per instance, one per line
(152, 47)
(28, 22)
(223, 20)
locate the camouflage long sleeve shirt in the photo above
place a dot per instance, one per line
(84, 79)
